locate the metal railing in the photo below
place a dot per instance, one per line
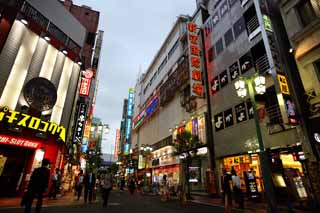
(262, 64)
(274, 114)
(252, 24)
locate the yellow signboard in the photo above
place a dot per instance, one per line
(24, 120)
(283, 84)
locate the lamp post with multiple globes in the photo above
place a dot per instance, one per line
(259, 83)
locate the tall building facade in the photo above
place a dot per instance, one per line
(40, 49)
(240, 42)
(169, 100)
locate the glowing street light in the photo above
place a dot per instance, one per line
(241, 89)
(260, 87)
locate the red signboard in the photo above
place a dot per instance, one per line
(117, 143)
(85, 86)
(9, 140)
(194, 61)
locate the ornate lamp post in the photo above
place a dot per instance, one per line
(260, 87)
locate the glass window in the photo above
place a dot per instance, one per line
(211, 54)
(224, 8)
(239, 27)
(161, 66)
(232, 2)
(172, 50)
(219, 46)
(228, 37)
(306, 12)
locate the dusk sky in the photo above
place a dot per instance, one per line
(134, 31)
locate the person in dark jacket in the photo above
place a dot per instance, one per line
(89, 184)
(37, 186)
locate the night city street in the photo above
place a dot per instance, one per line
(192, 106)
(123, 202)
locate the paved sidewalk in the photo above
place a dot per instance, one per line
(249, 206)
(65, 200)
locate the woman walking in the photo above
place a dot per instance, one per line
(106, 187)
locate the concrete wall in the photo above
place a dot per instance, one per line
(59, 16)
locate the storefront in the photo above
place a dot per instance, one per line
(200, 173)
(165, 163)
(286, 166)
(20, 156)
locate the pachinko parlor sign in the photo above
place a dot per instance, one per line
(27, 121)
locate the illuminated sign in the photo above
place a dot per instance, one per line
(126, 149)
(85, 86)
(151, 108)
(194, 61)
(128, 128)
(284, 88)
(79, 127)
(24, 120)
(85, 83)
(130, 101)
(9, 140)
(117, 143)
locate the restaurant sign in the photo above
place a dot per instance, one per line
(194, 61)
(27, 121)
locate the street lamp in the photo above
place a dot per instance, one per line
(260, 87)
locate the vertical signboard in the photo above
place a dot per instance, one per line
(86, 83)
(79, 127)
(129, 121)
(194, 61)
(117, 143)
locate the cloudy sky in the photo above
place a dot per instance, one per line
(134, 31)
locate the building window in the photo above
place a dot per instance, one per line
(224, 8)
(219, 46)
(239, 27)
(172, 50)
(307, 12)
(215, 19)
(161, 66)
(232, 2)
(211, 54)
(228, 37)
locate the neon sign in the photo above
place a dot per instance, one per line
(85, 83)
(27, 121)
(194, 61)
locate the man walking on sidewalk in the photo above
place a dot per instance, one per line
(37, 186)
(89, 184)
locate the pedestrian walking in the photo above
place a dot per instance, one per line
(37, 186)
(132, 185)
(79, 184)
(226, 187)
(107, 187)
(237, 188)
(54, 184)
(122, 184)
(89, 185)
(164, 189)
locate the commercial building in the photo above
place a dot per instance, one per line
(169, 99)
(240, 42)
(40, 49)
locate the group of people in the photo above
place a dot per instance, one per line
(39, 181)
(231, 185)
(91, 183)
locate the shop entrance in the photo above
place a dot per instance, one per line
(13, 165)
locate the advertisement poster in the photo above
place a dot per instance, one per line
(194, 174)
